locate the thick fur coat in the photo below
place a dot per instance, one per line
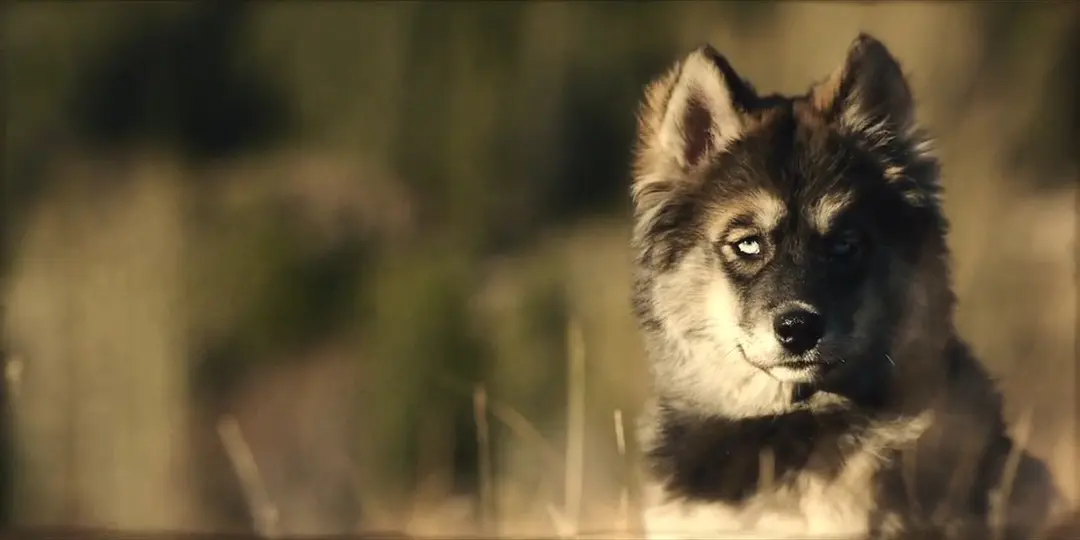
(792, 286)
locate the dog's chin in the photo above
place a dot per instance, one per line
(798, 372)
(804, 369)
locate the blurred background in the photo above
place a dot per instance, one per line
(331, 267)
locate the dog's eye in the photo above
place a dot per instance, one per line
(844, 245)
(748, 247)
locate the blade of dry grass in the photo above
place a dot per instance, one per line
(13, 371)
(515, 421)
(264, 514)
(910, 464)
(1008, 475)
(959, 483)
(622, 514)
(575, 422)
(483, 441)
(563, 527)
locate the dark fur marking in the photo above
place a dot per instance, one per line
(743, 221)
(718, 459)
(673, 232)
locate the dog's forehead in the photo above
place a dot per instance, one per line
(788, 165)
(809, 158)
(766, 210)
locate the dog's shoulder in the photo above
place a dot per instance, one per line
(969, 465)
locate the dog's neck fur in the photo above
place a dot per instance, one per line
(721, 459)
(724, 458)
(712, 455)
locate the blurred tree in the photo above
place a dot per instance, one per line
(176, 81)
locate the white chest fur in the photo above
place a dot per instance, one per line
(808, 507)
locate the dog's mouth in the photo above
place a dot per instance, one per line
(813, 367)
(795, 364)
(803, 364)
(801, 370)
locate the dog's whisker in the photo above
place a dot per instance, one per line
(889, 358)
(729, 353)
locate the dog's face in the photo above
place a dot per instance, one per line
(781, 235)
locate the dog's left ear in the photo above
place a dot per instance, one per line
(868, 91)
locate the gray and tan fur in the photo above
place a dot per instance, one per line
(792, 285)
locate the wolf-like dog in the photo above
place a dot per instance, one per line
(792, 286)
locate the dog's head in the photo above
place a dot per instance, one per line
(782, 239)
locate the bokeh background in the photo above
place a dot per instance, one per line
(330, 267)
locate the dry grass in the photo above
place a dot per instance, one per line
(110, 284)
(564, 518)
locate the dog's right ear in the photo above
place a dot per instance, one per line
(702, 111)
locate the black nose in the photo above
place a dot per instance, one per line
(799, 330)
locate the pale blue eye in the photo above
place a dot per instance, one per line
(749, 247)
